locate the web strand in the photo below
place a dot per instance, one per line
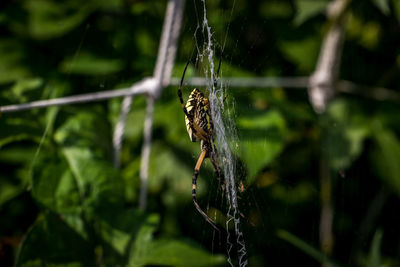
(224, 126)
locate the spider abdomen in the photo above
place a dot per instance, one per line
(199, 126)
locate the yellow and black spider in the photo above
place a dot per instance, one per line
(200, 127)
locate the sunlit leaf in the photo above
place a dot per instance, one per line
(120, 229)
(55, 187)
(19, 129)
(49, 19)
(86, 64)
(173, 170)
(13, 186)
(12, 67)
(366, 33)
(95, 178)
(173, 156)
(143, 239)
(9, 190)
(385, 157)
(344, 131)
(262, 139)
(86, 130)
(19, 92)
(303, 53)
(308, 8)
(97, 181)
(180, 254)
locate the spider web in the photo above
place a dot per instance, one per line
(225, 132)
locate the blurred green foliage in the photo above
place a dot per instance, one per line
(62, 203)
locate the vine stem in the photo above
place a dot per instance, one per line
(324, 79)
(162, 73)
(322, 88)
(146, 86)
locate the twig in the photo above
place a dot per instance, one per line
(326, 217)
(323, 80)
(120, 129)
(169, 42)
(145, 155)
(162, 73)
(147, 85)
(343, 86)
(255, 82)
(377, 93)
(321, 90)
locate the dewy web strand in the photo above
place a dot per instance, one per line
(226, 159)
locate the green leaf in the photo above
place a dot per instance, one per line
(344, 130)
(278, 9)
(88, 64)
(108, 5)
(12, 67)
(131, 234)
(177, 155)
(49, 19)
(17, 155)
(20, 91)
(86, 129)
(180, 254)
(385, 158)
(143, 240)
(174, 172)
(306, 248)
(97, 180)
(121, 230)
(9, 190)
(396, 5)
(382, 5)
(303, 53)
(19, 129)
(262, 140)
(11, 186)
(120, 227)
(54, 187)
(374, 253)
(308, 8)
(82, 140)
(52, 242)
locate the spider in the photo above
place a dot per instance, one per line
(200, 127)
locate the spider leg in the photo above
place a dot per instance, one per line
(200, 133)
(194, 187)
(180, 94)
